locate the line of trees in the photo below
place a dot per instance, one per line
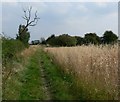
(90, 38)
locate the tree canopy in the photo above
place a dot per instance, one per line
(24, 36)
(62, 40)
(109, 37)
(89, 38)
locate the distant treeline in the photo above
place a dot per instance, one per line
(90, 38)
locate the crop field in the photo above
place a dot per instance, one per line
(94, 68)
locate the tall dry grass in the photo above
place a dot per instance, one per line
(95, 68)
(23, 57)
(29, 51)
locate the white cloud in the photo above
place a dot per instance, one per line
(61, 8)
(41, 7)
(82, 8)
(12, 4)
(101, 4)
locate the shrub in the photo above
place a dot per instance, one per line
(10, 47)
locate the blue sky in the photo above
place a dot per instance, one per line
(74, 18)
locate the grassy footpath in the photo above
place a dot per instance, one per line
(25, 84)
(32, 87)
(60, 84)
(28, 84)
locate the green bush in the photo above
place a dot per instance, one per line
(10, 47)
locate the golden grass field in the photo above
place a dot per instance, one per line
(94, 67)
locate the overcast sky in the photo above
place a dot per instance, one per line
(75, 18)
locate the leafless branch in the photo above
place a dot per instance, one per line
(27, 17)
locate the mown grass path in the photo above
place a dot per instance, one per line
(32, 81)
(46, 85)
(45, 80)
(42, 79)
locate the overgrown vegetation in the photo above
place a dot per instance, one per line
(11, 50)
(28, 84)
(73, 73)
(94, 68)
(15, 85)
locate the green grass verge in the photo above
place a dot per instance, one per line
(32, 87)
(25, 84)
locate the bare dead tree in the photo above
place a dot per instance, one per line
(27, 17)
